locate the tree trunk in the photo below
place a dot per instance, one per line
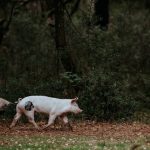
(102, 12)
(60, 38)
(5, 17)
(147, 4)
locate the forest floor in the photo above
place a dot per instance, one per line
(85, 135)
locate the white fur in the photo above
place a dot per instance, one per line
(53, 106)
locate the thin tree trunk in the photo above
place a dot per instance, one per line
(60, 39)
(147, 4)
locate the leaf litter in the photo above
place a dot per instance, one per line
(90, 130)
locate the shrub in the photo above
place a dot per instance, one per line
(103, 99)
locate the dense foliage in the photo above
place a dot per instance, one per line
(113, 67)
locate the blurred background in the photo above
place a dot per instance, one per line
(98, 50)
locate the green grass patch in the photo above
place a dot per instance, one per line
(42, 142)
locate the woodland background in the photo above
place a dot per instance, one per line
(108, 69)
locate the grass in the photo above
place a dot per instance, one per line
(70, 143)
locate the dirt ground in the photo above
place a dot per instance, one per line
(84, 128)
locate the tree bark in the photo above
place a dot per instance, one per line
(102, 12)
(60, 38)
(5, 17)
(147, 4)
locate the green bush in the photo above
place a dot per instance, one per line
(103, 99)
